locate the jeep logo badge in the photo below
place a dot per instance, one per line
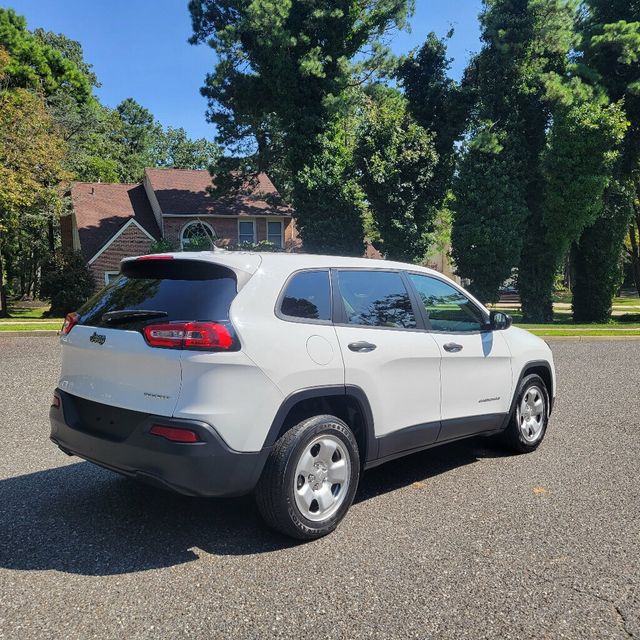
(98, 338)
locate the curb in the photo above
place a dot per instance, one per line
(32, 333)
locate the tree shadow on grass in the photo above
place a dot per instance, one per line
(85, 520)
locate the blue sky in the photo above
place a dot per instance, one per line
(139, 48)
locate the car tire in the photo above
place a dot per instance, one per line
(310, 478)
(529, 416)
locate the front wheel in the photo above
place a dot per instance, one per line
(528, 422)
(310, 478)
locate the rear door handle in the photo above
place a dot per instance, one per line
(452, 347)
(362, 346)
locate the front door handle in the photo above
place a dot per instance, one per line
(362, 346)
(452, 347)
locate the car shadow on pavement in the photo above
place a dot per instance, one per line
(82, 519)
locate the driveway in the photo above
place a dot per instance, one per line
(455, 542)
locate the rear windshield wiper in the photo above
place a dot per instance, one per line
(132, 314)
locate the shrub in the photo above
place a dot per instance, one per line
(67, 283)
(263, 245)
(163, 245)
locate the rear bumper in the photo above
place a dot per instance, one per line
(207, 468)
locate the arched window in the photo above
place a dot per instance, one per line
(197, 236)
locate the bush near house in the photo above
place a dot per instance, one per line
(67, 282)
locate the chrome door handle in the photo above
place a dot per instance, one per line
(362, 346)
(452, 347)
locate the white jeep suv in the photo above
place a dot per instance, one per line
(221, 373)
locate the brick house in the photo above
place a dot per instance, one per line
(108, 222)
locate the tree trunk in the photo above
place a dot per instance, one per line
(536, 274)
(4, 309)
(634, 254)
(51, 235)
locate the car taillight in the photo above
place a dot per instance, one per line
(70, 321)
(155, 256)
(175, 434)
(208, 336)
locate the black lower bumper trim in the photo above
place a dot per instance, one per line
(206, 468)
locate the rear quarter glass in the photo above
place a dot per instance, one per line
(179, 290)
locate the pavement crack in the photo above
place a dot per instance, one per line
(619, 614)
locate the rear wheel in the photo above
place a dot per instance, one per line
(528, 423)
(310, 478)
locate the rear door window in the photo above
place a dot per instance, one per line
(169, 290)
(376, 298)
(307, 296)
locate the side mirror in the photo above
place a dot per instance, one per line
(499, 321)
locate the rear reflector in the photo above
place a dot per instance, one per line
(174, 434)
(55, 402)
(189, 335)
(70, 321)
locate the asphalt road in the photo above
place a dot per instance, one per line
(456, 542)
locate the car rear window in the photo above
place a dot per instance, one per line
(178, 290)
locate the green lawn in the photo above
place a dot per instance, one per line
(18, 312)
(586, 333)
(30, 326)
(565, 296)
(24, 318)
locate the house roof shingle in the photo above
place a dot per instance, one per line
(101, 209)
(184, 192)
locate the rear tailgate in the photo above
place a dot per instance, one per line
(119, 368)
(106, 357)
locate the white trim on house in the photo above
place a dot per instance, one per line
(110, 273)
(255, 229)
(191, 223)
(115, 236)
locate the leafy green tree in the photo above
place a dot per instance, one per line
(31, 154)
(597, 259)
(282, 69)
(539, 156)
(36, 64)
(138, 137)
(396, 159)
(489, 212)
(500, 183)
(70, 50)
(610, 59)
(438, 104)
(329, 201)
(176, 149)
(577, 164)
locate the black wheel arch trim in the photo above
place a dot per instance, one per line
(526, 369)
(348, 390)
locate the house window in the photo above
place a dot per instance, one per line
(197, 236)
(110, 276)
(246, 231)
(274, 233)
